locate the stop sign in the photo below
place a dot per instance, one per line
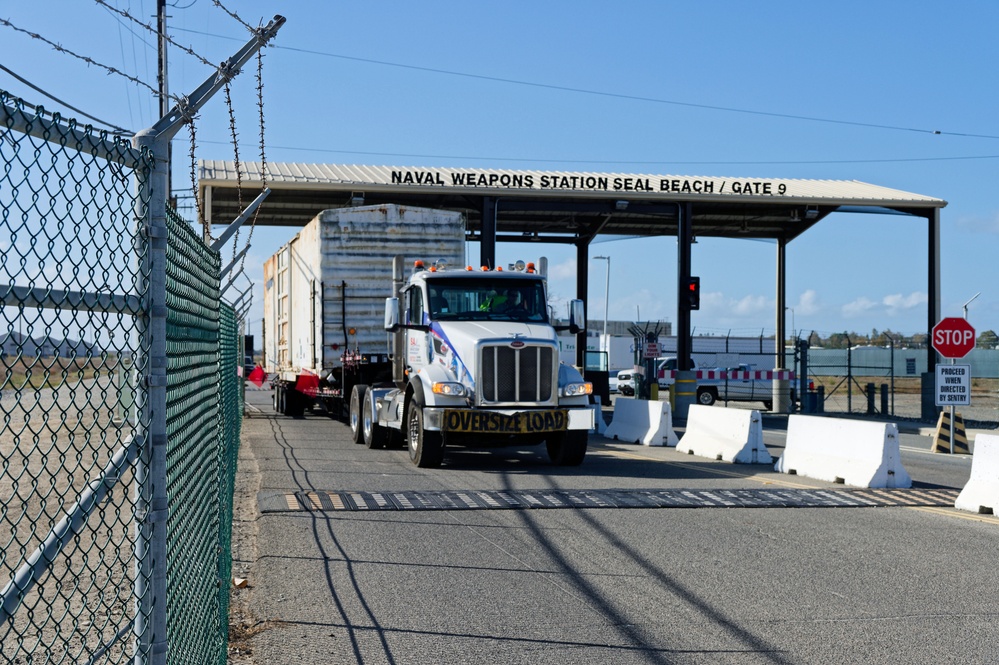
(953, 337)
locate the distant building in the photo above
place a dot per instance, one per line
(14, 343)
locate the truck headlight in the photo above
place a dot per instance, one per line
(577, 389)
(449, 388)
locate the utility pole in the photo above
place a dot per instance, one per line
(164, 84)
(606, 291)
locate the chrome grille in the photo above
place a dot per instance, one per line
(518, 376)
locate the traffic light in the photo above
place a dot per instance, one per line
(694, 293)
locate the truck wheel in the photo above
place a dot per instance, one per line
(294, 403)
(426, 449)
(375, 435)
(567, 448)
(706, 397)
(354, 418)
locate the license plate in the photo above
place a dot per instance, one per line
(493, 422)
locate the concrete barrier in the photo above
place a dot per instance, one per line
(981, 492)
(599, 424)
(853, 452)
(731, 435)
(642, 421)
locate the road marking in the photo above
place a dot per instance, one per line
(766, 480)
(773, 497)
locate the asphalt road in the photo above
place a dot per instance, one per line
(473, 582)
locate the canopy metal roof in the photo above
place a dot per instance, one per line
(556, 206)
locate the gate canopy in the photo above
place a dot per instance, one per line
(559, 206)
(575, 207)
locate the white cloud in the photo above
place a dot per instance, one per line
(858, 307)
(564, 270)
(979, 223)
(752, 305)
(898, 303)
(808, 303)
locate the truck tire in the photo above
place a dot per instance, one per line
(706, 396)
(354, 418)
(567, 448)
(375, 435)
(294, 402)
(426, 449)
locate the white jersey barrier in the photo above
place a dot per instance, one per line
(599, 424)
(732, 435)
(982, 489)
(642, 421)
(853, 452)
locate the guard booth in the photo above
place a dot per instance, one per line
(596, 372)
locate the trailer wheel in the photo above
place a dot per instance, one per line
(567, 448)
(375, 435)
(357, 396)
(706, 396)
(426, 448)
(295, 403)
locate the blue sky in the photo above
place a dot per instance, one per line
(846, 90)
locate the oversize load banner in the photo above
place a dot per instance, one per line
(493, 422)
(596, 183)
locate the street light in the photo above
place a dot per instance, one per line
(606, 293)
(968, 303)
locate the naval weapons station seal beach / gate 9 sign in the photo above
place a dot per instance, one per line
(594, 183)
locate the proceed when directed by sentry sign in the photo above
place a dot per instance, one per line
(953, 385)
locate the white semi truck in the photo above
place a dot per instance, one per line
(465, 357)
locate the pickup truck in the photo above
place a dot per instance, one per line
(741, 383)
(736, 384)
(666, 371)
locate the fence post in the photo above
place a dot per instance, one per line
(151, 469)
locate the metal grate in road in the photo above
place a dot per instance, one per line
(613, 498)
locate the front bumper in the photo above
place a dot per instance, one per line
(507, 421)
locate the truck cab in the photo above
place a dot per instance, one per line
(477, 365)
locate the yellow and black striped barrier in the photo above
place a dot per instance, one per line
(942, 437)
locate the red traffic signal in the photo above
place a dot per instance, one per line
(693, 293)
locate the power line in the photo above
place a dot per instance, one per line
(615, 95)
(624, 161)
(90, 61)
(34, 87)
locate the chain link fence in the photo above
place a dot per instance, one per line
(87, 571)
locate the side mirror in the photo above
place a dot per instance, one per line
(577, 317)
(392, 314)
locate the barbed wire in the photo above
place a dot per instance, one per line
(263, 157)
(234, 15)
(194, 179)
(90, 61)
(235, 151)
(112, 126)
(186, 49)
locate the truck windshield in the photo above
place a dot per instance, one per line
(487, 300)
